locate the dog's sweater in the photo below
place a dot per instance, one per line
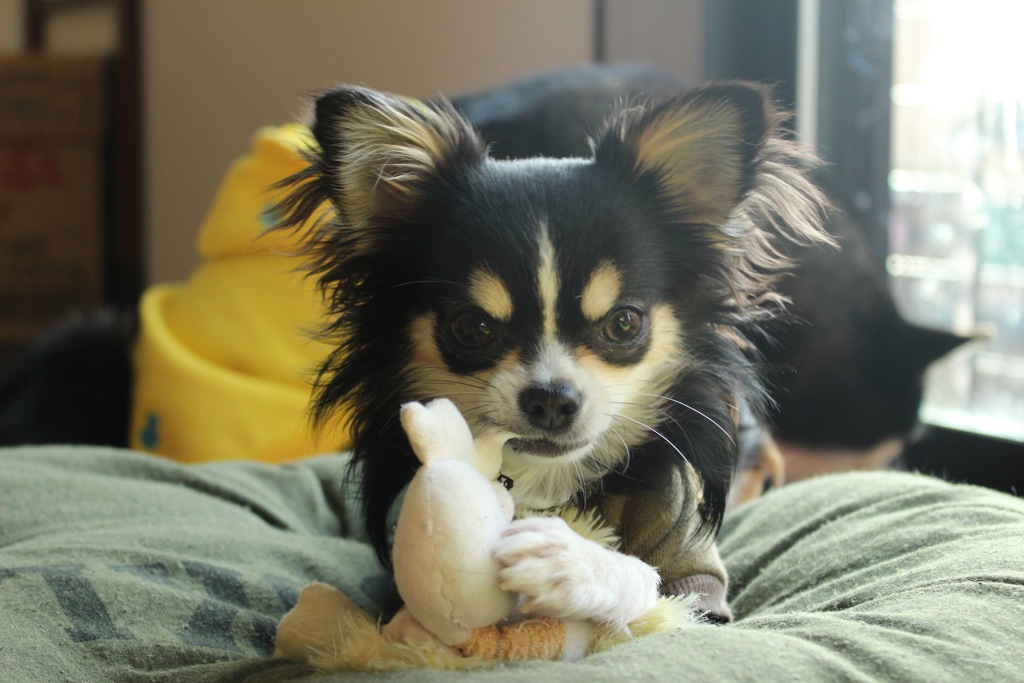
(660, 528)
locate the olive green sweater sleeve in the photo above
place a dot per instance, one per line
(660, 527)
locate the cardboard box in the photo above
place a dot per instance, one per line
(51, 195)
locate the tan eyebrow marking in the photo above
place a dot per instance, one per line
(490, 294)
(602, 291)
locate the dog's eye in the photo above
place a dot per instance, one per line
(472, 330)
(623, 325)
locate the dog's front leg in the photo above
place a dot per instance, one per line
(564, 575)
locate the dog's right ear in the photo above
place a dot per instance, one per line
(379, 152)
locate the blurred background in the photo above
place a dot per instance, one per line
(119, 117)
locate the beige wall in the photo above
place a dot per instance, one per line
(217, 70)
(88, 28)
(668, 34)
(10, 25)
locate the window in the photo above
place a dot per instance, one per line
(918, 108)
(956, 228)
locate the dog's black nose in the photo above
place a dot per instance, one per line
(552, 406)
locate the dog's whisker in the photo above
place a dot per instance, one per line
(472, 411)
(426, 282)
(473, 394)
(655, 432)
(580, 477)
(611, 455)
(465, 380)
(473, 406)
(661, 411)
(625, 446)
(691, 408)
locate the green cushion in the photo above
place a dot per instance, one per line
(116, 566)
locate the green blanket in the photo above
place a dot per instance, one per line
(121, 567)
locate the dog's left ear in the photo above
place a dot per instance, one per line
(701, 149)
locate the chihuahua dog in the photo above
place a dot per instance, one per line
(595, 310)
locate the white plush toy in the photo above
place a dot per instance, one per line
(455, 615)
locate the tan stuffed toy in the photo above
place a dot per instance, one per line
(455, 615)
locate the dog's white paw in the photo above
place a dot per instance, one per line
(563, 575)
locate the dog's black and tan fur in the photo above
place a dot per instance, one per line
(590, 309)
